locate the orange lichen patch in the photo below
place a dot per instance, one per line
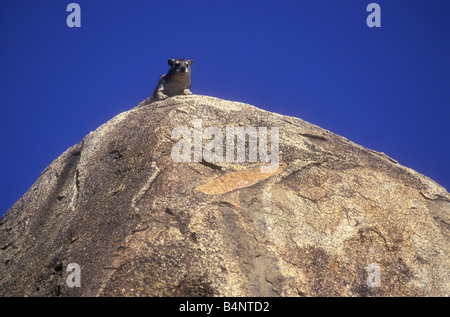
(236, 180)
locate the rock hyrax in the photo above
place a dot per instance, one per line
(177, 81)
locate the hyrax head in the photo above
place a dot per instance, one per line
(180, 65)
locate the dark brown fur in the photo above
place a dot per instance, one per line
(177, 81)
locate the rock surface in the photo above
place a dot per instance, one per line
(140, 224)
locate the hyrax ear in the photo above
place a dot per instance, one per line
(190, 62)
(171, 62)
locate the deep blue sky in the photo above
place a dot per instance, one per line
(385, 88)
